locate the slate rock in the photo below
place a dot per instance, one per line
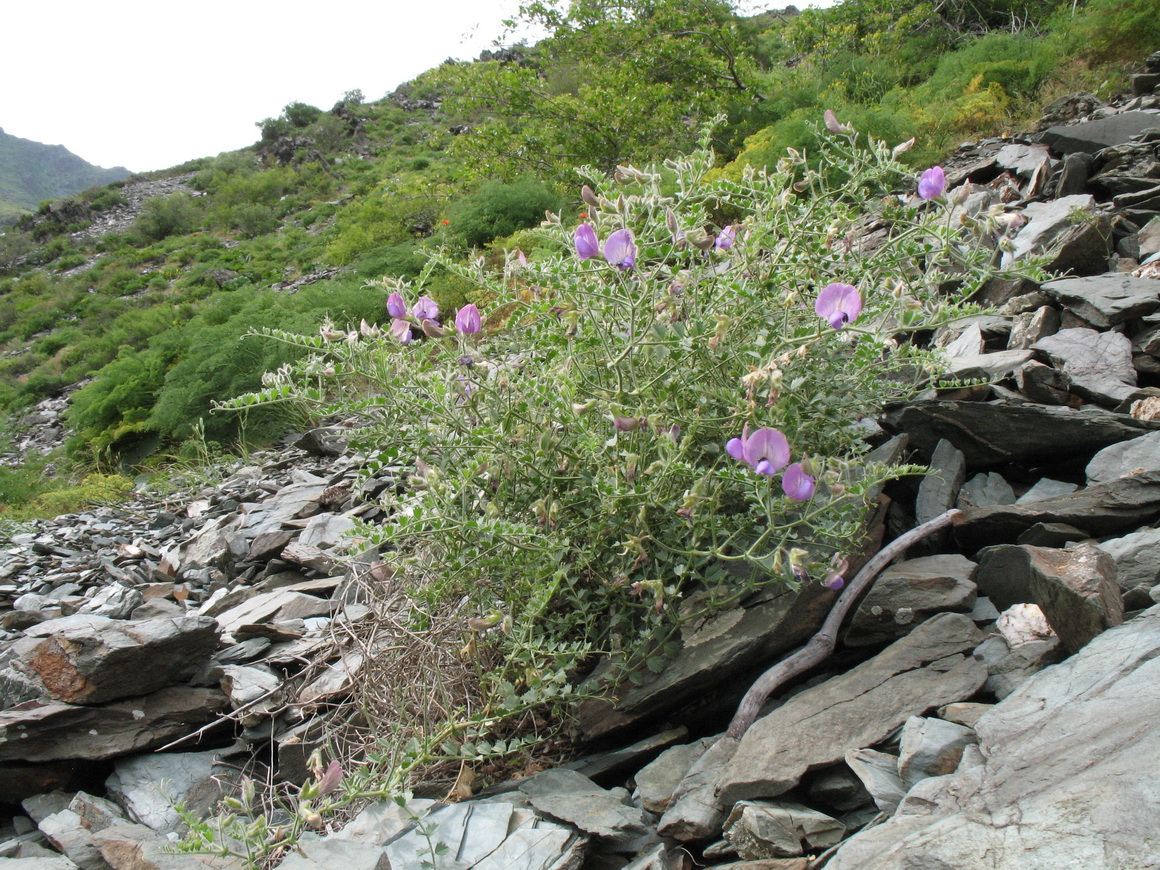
(657, 781)
(838, 787)
(965, 713)
(126, 846)
(1077, 591)
(988, 366)
(694, 812)
(1043, 384)
(940, 487)
(991, 433)
(908, 593)
(58, 862)
(1125, 458)
(1048, 224)
(1099, 364)
(930, 747)
(1073, 178)
(1094, 136)
(780, 829)
(921, 671)
(149, 786)
(878, 772)
(1031, 326)
(1137, 558)
(1045, 488)
(1108, 508)
(329, 854)
(1062, 776)
(91, 660)
(984, 490)
(1105, 301)
(573, 798)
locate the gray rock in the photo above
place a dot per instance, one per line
(58, 862)
(1137, 558)
(1104, 509)
(780, 829)
(1013, 667)
(1127, 457)
(859, 708)
(1062, 778)
(1106, 300)
(965, 713)
(1048, 223)
(91, 659)
(930, 747)
(988, 366)
(984, 490)
(1023, 160)
(694, 812)
(838, 787)
(329, 854)
(658, 781)
(570, 797)
(115, 601)
(126, 846)
(1051, 535)
(149, 786)
(879, 774)
(1043, 384)
(908, 593)
(1098, 364)
(1031, 326)
(991, 433)
(1044, 488)
(1076, 590)
(1094, 136)
(1073, 178)
(380, 822)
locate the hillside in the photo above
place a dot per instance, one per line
(145, 292)
(32, 172)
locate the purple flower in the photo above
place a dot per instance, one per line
(467, 320)
(735, 447)
(625, 424)
(397, 306)
(767, 450)
(331, 779)
(796, 484)
(838, 305)
(401, 330)
(726, 237)
(933, 183)
(425, 309)
(620, 250)
(835, 582)
(587, 245)
(833, 124)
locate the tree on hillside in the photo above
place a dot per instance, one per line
(616, 81)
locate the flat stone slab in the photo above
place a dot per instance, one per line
(1125, 458)
(815, 728)
(1099, 364)
(1065, 774)
(908, 593)
(1105, 301)
(992, 433)
(1094, 136)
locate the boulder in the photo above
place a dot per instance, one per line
(908, 593)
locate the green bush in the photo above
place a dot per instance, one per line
(500, 208)
(165, 216)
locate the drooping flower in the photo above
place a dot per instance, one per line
(796, 484)
(620, 250)
(401, 330)
(726, 237)
(833, 124)
(626, 424)
(767, 450)
(589, 196)
(587, 245)
(397, 306)
(425, 309)
(467, 320)
(331, 779)
(837, 581)
(933, 183)
(838, 304)
(735, 447)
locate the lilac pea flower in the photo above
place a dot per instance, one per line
(796, 484)
(838, 304)
(587, 245)
(397, 306)
(726, 238)
(735, 447)
(425, 309)
(933, 183)
(401, 330)
(467, 320)
(836, 582)
(767, 450)
(620, 250)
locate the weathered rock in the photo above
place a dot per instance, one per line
(780, 829)
(838, 787)
(878, 772)
(1011, 666)
(694, 812)
(1073, 178)
(127, 846)
(1094, 136)
(115, 601)
(939, 489)
(1051, 534)
(1106, 300)
(572, 798)
(39, 731)
(1077, 591)
(1137, 558)
(984, 490)
(1048, 225)
(965, 713)
(1043, 384)
(1098, 364)
(1104, 509)
(1045, 488)
(908, 593)
(149, 786)
(930, 747)
(1125, 458)
(988, 366)
(1062, 777)
(1031, 326)
(329, 854)
(859, 708)
(990, 433)
(658, 781)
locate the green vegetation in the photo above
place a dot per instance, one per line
(466, 160)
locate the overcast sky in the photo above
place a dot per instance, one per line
(148, 84)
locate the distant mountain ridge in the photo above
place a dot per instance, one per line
(32, 172)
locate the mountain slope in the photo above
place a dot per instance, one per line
(31, 172)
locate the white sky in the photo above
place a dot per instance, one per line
(149, 84)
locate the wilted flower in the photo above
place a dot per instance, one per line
(902, 147)
(726, 237)
(330, 334)
(834, 578)
(467, 320)
(838, 304)
(620, 250)
(401, 330)
(587, 245)
(625, 424)
(425, 309)
(796, 484)
(933, 183)
(367, 330)
(397, 306)
(330, 779)
(833, 124)
(589, 196)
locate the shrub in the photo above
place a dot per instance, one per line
(500, 208)
(165, 216)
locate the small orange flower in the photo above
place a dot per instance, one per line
(584, 215)
(446, 223)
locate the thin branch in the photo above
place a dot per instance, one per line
(823, 643)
